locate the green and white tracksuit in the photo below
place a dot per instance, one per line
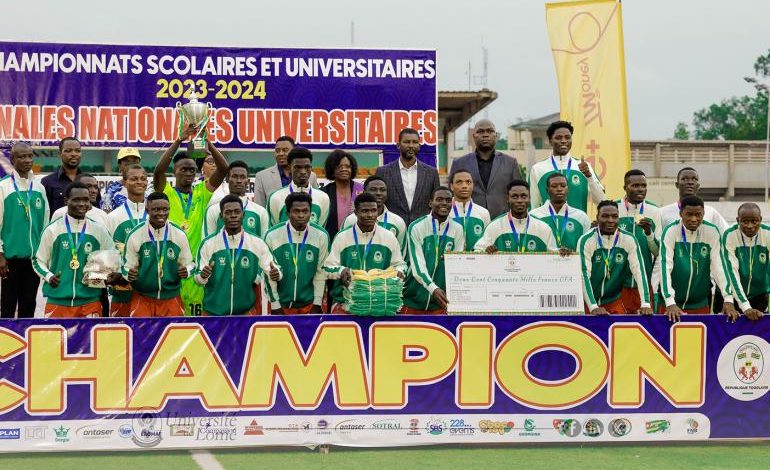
(120, 222)
(93, 213)
(239, 262)
(157, 254)
(276, 204)
(606, 261)
(567, 225)
(255, 218)
(304, 283)
(389, 221)
(649, 245)
(473, 218)
(689, 260)
(579, 186)
(428, 241)
(355, 249)
(65, 253)
(23, 215)
(529, 235)
(746, 260)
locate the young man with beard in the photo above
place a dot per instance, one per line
(516, 231)
(376, 186)
(641, 218)
(120, 222)
(230, 262)
(156, 259)
(301, 166)
(473, 217)
(691, 254)
(410, 182)
(491, 171)
(300, 249)
(57, 182)
(23, 216)
(746, 257)
(255, 217)
(363, 246)
(62, 254)
(430, 237)
(188, 203)
(608, 256)
(567, 223)
(581, 178)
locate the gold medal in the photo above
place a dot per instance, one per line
(636, 219)
(74, 264)
(120, 246)
(185, 226)
(160, 273)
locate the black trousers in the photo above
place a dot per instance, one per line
(19, 288)
(759, 302)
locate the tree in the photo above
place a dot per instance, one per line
(681, 132)
(735, 118)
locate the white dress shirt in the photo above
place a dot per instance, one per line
(409, 180)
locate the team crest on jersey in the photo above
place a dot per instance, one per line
(478, 229)
(508, 244)
(88, 247)
(570, 226)
(622, 226)
(309, 256)
(127, 230)
(313, 217)
(251, 222)
(393, 231)
(449, 246)
(170, 253)
(38, 203)
(704, 252)
(65, 244)
(378, 257)
(762, 258)
(146, 252)
(619, 258)
(598, 257)
(575, 180)
(531, 245)
(245, 262)
(221, 260)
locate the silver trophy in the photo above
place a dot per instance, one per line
(196, 114)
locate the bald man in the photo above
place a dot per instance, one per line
(491, 170)
(745, 248)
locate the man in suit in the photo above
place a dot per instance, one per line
(276, 177)
(410, 182)
(491, 170)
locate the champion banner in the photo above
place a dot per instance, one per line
(587, 44)
(245, 381)
(111, 96)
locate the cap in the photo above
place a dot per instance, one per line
(128, 152)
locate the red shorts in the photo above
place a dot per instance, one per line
(297, 311)
(412, 311)
(616, 307)
(694, 311)
(89, 310)
(339, 308)
(120, 309)
(142, 306)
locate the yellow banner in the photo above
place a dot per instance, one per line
(587, 43)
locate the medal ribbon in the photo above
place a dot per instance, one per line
(131, 216)
(684, 240)
(439, 240)
(230, 253)
(519, 241)
(366, 249)
(559, 230)
(466, 216)
(75, 243)
(558, 170)
(186, 207)
(161, 255)
(606, 257)
(751, 254)
(299, 247)
(18, 196)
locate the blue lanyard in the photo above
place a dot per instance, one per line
(439, 240)
(466, 216)
(299, 248)
(29, 195)
(230, 253)
(366, 248)
(557, 170)
(519, 241)
(309, 190)
(684, 240)
(130, 215)
(612, 250)
(559, 230)
(385, 218)
(75, 241)
(639, 211)
(186, 207)
(160, 254)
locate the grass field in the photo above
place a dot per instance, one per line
(751, 455)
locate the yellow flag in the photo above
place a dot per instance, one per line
(587, 43)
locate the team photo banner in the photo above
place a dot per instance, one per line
(111, 96)
(245, 381)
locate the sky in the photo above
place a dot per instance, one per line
(681, 55)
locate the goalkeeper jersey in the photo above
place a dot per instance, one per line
(428, 241)
(746, 263)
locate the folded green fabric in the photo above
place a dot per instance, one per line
(376, 295)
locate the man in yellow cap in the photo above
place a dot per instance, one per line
(114, 193)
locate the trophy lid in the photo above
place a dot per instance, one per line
(193, 97)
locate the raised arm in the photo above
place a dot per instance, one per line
(219, 174)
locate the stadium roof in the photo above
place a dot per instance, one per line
(537, 123)
(457, 107)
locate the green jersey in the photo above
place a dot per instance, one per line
(387, 220)
(512, 235)
(649, 245)
(64, 252)
(23, 215)
(746, 263)
(120, 222)
(255, 218)
(567, 225)
(355, 249)
(689, 260)
(276, 204)
(428, 241)
(157, 254)
(302, 283)
(473, 218)
(239, 262)
(580, 187)
(605, 262)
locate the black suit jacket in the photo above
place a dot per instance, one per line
(492, 195)
(427, 181)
